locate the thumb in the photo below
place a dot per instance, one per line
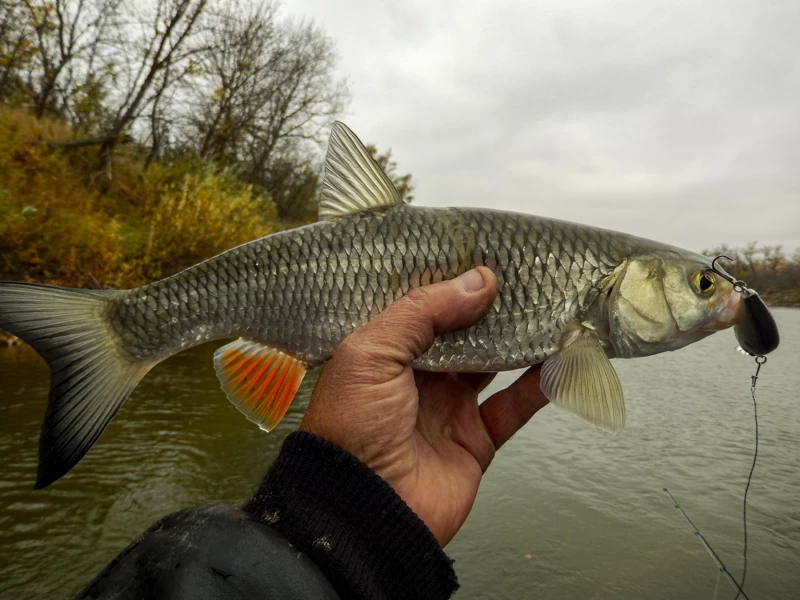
(407, 328)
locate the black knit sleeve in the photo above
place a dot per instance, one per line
(364, 538)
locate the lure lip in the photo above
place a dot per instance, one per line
(757, 332)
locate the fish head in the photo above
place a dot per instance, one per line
(668, 299)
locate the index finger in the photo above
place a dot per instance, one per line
(505, 412)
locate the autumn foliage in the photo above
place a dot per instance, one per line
(58, 225)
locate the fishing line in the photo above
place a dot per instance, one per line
(760, 360)
(707, 546)
(755, 345)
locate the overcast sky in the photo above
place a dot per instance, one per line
(675, 120)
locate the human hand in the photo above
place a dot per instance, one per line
(424, 433)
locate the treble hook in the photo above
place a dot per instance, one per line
(756, 330)
(738, 285)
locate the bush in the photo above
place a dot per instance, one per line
(199, 215)
(50, 226)
(59, 226)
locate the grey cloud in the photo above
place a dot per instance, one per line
(677, 121)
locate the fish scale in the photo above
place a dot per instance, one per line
(356, 266)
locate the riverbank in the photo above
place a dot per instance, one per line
(63, 223)
(788, 299)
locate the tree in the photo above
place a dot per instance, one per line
(237, 70)
(232, 83)
(149, 62)
(773, 259)
(268, 90)
(65, 31)
(16, 49)
(293, 185)
(302, 100)
(748, 253)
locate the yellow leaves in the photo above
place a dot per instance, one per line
(57, 227)
(64, 247)
(41, 17)
(204, 214)
(28, 155)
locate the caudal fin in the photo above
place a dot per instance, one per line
(90, 375)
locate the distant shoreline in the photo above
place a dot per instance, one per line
(781, 299)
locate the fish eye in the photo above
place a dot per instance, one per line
(704, 282)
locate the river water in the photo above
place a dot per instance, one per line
(564, 512)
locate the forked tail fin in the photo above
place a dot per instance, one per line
(91, 376)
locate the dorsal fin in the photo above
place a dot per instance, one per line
(353, 182)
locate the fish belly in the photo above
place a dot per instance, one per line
(306, 289)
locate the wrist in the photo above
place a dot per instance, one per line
(359, 531)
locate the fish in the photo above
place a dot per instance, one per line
(570, 296)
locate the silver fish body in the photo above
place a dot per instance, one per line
(306, 289)
(569, 295)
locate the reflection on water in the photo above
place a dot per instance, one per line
(564, 512)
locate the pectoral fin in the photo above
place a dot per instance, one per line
(259, 380)
(581, 379)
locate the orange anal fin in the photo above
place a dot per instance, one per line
(259, 380)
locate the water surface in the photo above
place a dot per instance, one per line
(564, 512)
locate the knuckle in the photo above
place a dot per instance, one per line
(418, 297)
(346, 347)
(353, 353)
(400, 333)
(419, 339)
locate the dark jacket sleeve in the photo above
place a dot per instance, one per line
(361, 534)
(321, 525)
(210, 552)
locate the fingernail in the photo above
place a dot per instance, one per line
(471, 281)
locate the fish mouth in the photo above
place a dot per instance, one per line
(730, 315)
(753, 324)
(756, 330)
